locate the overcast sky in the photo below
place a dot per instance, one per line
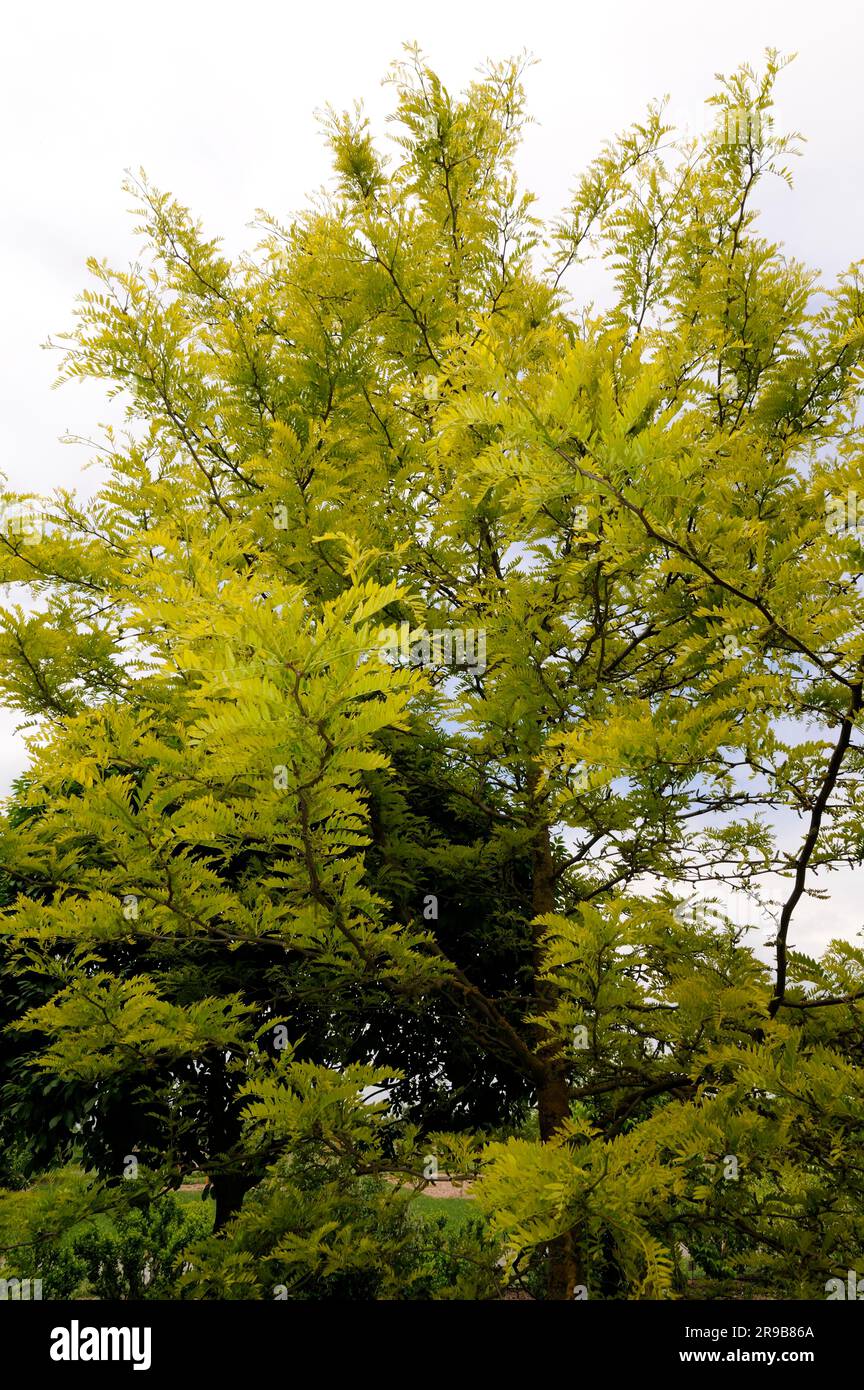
(217, 103)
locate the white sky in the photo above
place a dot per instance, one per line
(217, 102)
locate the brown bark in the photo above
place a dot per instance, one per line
(229, 1189)
(562, 1270)
(553, 1091)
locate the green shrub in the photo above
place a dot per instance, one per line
(314, 1230)
(142, 1257)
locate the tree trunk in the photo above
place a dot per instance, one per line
(553, 1093)
(562, 1271)
(229, 1191)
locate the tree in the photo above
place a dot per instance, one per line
(392, 419)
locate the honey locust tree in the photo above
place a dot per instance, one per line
(393, 412)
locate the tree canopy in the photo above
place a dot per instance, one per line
(435, 654)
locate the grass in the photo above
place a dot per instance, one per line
(455, 1210)
(185, 1198)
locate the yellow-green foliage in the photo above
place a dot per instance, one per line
(393, 412)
